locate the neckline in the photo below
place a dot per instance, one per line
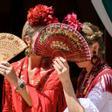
(85, 80)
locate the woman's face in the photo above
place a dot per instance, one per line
(83, 64)
(93, 48)
(30, 41)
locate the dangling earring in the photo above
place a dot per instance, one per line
(94, 58)
(28, 51)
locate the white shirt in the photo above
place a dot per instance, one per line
(97, 100)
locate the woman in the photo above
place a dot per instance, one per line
(30, 85)
(94, 90)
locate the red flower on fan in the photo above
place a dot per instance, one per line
(41, 15)
(71, 19)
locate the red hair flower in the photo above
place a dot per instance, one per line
(41, 15)
(71, 19)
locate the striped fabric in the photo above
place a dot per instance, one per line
(62, 40)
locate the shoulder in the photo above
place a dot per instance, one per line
(105, 75)
(18, 63)
(104, 80)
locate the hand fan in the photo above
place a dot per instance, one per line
(62, 40)
(10, 46)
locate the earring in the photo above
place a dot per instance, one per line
(94, 58)
(28, 51)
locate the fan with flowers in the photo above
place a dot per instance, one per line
(60, 39)
(10, 46)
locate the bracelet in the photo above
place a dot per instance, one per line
(20, 86)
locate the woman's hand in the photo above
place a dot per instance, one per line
(8, 72)
(62, 68)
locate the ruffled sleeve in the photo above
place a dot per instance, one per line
(100, 97)
(87, 104)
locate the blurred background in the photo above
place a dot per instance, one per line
(13, 16)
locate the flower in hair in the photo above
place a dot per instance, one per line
(91, 31)
(41, 15)
(71, 19)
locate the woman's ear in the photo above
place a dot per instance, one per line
(95, 48)
(27, 40)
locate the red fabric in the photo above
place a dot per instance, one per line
(106, 76)
(41, 15)
(47, 96)
(58, 40)
(101, 73)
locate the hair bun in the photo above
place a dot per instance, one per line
(41, 15)
(91, 31)
(87, 29)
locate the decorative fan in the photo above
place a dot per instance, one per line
(62, 40)
(10, 46)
